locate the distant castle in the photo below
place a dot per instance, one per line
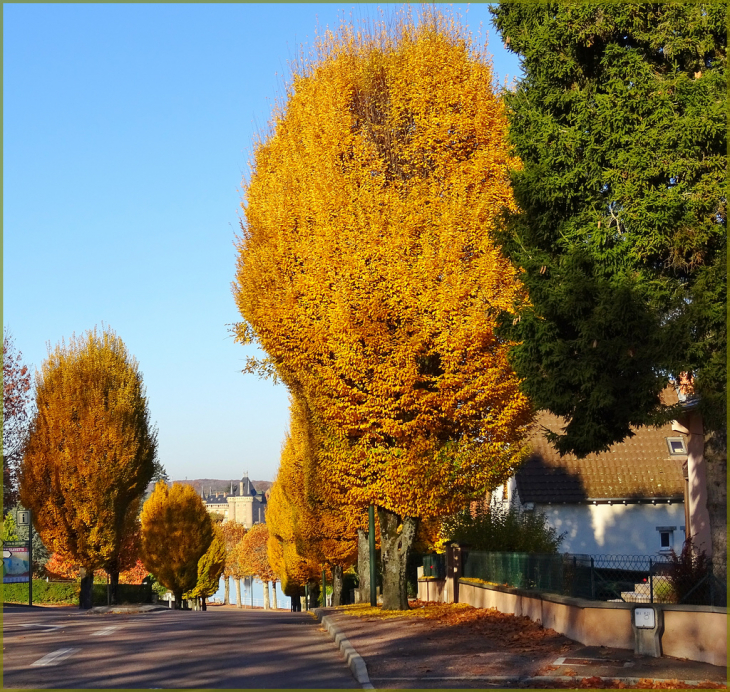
(243, 504)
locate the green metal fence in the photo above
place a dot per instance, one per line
(434, 566)
(523, 570)
(628, 578)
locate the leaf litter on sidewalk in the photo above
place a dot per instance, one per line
(521, 633)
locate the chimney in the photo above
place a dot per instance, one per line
(240, 488)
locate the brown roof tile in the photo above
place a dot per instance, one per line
(640, 467)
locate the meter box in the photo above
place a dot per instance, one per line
(644, 618)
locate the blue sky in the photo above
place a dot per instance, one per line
(127, 132)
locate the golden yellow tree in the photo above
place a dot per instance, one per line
(90, 454)
(176, 533)
(325, 525)
(233, 533)
(210, 568)
(368, 272)
(292, 570)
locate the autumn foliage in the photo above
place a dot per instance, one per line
(210, 567)
(292, 570)
(176, 533)
(368, 271)
(91, 450)
(253, 556)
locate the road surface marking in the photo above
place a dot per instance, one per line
(54, 658)
(105, 631)
(47, 628)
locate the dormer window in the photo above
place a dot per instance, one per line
(676, 446)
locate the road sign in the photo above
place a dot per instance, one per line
(24, 517)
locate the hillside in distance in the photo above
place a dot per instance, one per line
(216, 485)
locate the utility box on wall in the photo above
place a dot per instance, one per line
(648, 625)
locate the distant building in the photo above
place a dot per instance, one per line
(243, 504)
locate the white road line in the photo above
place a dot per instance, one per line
(49, 628)
(54, 658)
(105, 631)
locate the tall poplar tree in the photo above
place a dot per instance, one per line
(176, 533)
(368, 273)
(620, 123)
(90, 453)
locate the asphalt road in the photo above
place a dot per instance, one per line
(222, 647)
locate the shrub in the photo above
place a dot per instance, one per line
(502, 529)
(685, 573)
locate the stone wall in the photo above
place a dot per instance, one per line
(698, 633)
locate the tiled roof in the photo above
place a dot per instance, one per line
(638, 468)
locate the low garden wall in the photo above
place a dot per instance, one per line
(698, 633)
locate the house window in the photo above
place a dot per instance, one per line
(666, 538)
(676, 445)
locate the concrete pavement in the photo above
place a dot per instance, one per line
(411, 652)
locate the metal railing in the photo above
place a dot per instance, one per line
(628, 578)
(434, 566)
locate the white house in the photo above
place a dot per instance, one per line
(626, 501)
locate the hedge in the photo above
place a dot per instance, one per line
(68, 592)
(43, 592)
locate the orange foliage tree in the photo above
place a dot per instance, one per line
(58, 568)
(233, 533)
(368, 271)
(90, 454)
(176, 533)
(254, 557)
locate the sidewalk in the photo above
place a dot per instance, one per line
(447, 646)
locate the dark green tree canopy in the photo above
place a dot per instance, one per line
(620, 122)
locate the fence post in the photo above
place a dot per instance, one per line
(575, 575)
(651, 582)
(593, 588)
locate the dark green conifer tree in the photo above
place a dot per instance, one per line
(620, 122)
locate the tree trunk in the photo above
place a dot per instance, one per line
(273, 595)
(267, 604)
(203, 604)
(113, 587)
(178, 599)
(394, 549)
(87, 584)
(716, 462)
(363, 566)
(336, 585)
(237, 582)
(226, 591)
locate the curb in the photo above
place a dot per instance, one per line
(354, 661)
